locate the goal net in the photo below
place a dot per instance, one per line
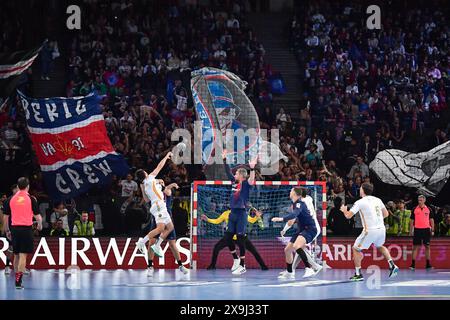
(212, 198)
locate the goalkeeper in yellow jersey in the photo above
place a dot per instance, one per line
(222, 243)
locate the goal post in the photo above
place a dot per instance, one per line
(212, 198)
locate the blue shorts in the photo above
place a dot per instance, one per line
(237, 221)
(152, 225)
(309, 234)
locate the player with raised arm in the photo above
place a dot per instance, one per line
(152, 192)
(171, 237)
(308, 200)
(372, 212)
(237, 220)
(306, 233)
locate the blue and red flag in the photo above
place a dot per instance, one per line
(71, 143)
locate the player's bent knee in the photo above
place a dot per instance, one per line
(357, 250)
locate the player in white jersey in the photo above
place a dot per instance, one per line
(315, 267)
(372, 212)
(152, 192)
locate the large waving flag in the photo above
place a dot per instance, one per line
(12, 65)
(427, 171)
(71, 144)
(222, 105)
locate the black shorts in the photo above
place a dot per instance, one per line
(22, 239)
(422, 236)
(309, 234)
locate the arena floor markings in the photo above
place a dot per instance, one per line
(220, 285)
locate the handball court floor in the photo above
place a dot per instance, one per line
(221, 285)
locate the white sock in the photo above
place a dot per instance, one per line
(145, 240)
(160, 240)
(358, 270)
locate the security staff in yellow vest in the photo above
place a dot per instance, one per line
(405, 218)
(392, 221)
(444, 226)
(83, 227)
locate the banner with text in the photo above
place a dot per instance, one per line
(71, 143)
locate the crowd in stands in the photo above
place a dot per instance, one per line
(363, 91)
(367, 90)
(139, 58)
(15, 145)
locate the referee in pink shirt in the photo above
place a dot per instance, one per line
(422, 228)
(22, 207)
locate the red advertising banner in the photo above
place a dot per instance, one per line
(95, 253)
(338, 252)
(121, 253)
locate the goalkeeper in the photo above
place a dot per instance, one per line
(222, 243)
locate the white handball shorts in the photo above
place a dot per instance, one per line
(160, 213)
(367, 237)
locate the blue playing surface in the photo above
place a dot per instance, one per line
(221, 285)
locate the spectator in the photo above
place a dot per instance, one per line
(444, 226)
(337, 222)
(134, 219)
(129, 186)
(313, 156)
(405, 218)
(392, 221)
(315, 140)
(60, 212)
(84, 227)
(58, 229)
(180, 218)
(359, 167)
(46, 60)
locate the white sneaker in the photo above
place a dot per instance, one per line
(27, 272)
(141, 246)
(157, 250)
(7, 270)
(284, 271)
(183, 269)
(309, 272)
(236, 264)
(239, 270)
(286, 275)
(150, 271)
(318, 269)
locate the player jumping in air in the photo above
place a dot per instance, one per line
(237, 221)
(222, 243)
(372, 212)
(306, 233)
(308, 200)
(152, 192)
(171, 238)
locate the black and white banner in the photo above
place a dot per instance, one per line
(12, 65)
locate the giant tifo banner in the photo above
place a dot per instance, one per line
(121, 253)
(72, 146)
